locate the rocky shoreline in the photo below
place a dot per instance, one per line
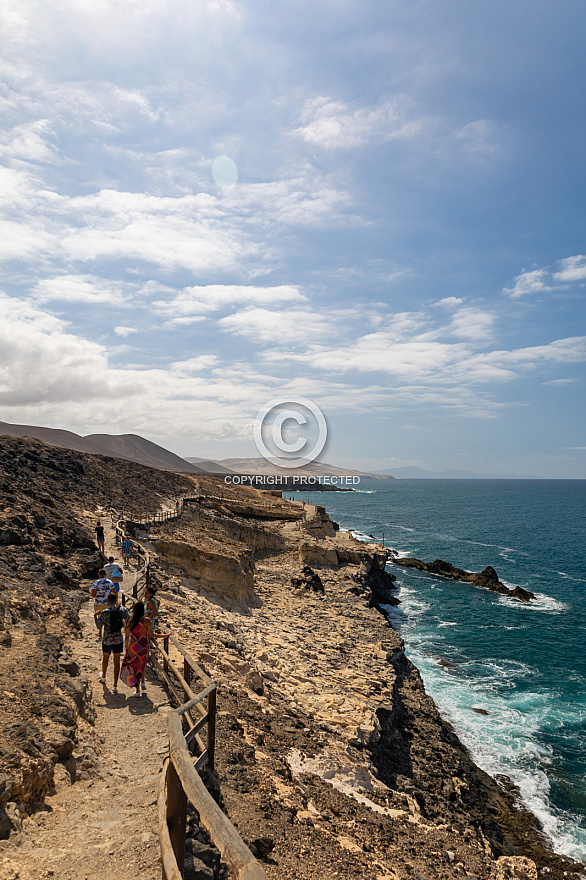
(488, 579)
(332, 760)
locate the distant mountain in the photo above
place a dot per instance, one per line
(130, 447)
(210, 467)
(260, 466)
(417, 473)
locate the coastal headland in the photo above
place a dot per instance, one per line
(332, 761)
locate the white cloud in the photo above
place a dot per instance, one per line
(123, 331)
(534, 281)
(195, 364)
(274, 326)
(471, 323)
(66, 368)
(202, 300)
(449, 301)
(572, 269)
(561, 382)
(29, 143)
(334, 125)
(477, 139)
(82, 289)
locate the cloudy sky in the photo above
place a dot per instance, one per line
(376, 205)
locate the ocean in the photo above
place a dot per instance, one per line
(524, 665)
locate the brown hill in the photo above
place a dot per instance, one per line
(261, 466)
(210, 467)
(129, 447)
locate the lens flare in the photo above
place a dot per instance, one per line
(224, 171)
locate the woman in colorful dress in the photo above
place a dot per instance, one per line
(138, 634)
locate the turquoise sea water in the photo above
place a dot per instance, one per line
(524, 664)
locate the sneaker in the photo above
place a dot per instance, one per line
(114, 690)
(101, 679)
(136, 694)
(143, 686)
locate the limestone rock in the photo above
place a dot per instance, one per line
(11, 870)
(515, 868)
(225, 571)
(317, 556)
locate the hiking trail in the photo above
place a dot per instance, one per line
(106, 825)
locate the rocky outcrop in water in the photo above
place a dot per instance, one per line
(487, 578)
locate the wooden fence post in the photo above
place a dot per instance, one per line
(166, 649)
(212, 728)
(176, 815)
(187, 677)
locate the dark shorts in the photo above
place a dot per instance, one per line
(112, 649)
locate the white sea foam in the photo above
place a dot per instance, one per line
(542, 602)
(571, 577)
(361, 536)
(506, 740)
(401, 553)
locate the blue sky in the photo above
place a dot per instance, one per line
(378, 206)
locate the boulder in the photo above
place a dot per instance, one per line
(309, 581)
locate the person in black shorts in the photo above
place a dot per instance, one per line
(99, 530)
(112, 619)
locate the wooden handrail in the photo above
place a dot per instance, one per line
(171, 869)
(197, 699)
(234, 852)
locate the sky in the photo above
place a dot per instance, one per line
(378, 206)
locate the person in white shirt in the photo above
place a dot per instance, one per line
(115, 573)
(101, 589)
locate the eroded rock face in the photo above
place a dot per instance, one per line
(318, 524)
(229, 573)
(318, 555)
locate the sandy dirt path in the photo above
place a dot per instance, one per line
(104, 826)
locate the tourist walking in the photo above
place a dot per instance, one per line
(111, 620)
(99, 530)
(100, 591)
(126, 550)
(138, 634)
(152, 609)
(115, 573)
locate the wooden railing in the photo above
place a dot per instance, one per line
(134, 519)
(188, 752)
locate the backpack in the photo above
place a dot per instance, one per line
(115, 620)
